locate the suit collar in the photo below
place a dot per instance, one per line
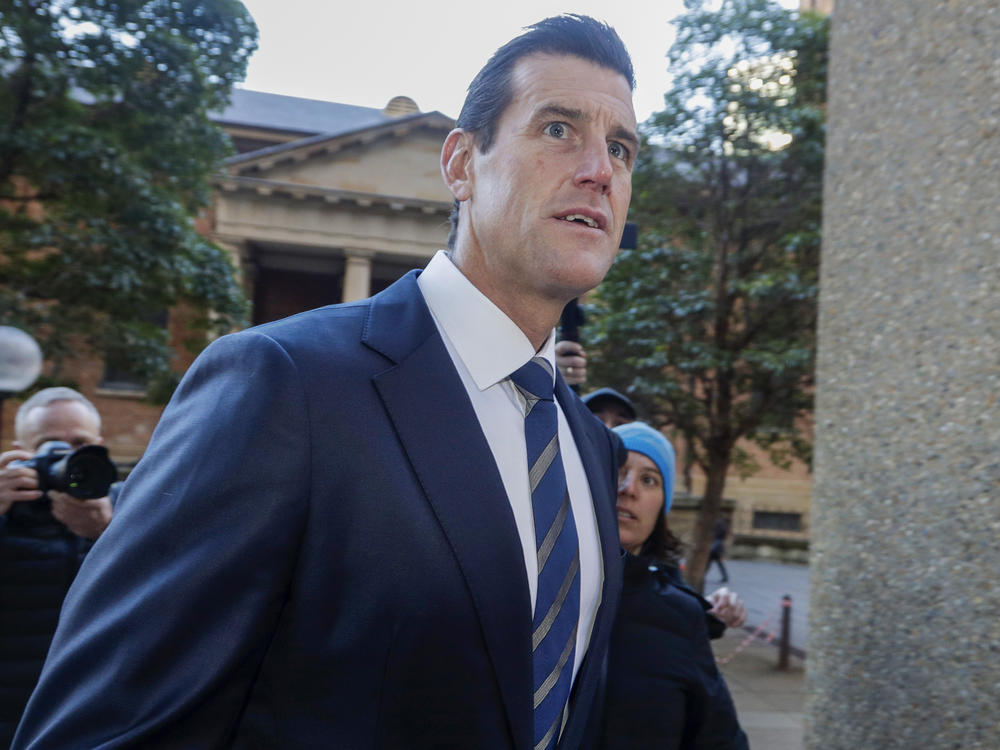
(398, 320)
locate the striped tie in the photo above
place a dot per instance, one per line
(557, 603)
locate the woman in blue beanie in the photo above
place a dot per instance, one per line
(646, 492)
(664, 690)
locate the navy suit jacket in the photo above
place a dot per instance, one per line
(316, 551)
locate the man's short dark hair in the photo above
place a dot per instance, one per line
(490, 92)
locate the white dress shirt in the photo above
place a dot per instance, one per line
(486, 347)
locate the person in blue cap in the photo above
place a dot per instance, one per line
(610, 406)
(663, 687)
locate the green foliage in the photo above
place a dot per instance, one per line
(106, 151)
(710, 324)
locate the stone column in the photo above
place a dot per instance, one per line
(357, 274)
(904, 642)
(239, 250)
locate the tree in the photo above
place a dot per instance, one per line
(710, 324)
(106, 151)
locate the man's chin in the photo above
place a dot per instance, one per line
(582, 276)
(568, 289)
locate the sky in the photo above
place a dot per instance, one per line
(363, 52)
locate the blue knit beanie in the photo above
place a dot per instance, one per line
(641, 438)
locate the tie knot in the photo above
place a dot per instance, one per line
(534, 379)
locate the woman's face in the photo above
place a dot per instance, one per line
(640, 499)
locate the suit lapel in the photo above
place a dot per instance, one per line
(426, 401)
(595, 454)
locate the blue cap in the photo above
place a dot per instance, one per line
(608, 394)
(641, 438)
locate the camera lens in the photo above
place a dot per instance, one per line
(85, 473)
(89, 476)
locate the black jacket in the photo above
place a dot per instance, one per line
(39, 558)
(665, 577)
(663, 688)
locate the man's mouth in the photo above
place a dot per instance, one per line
(581, 219)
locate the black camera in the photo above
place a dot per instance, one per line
(84, 473)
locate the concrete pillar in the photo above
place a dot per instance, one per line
(357, 274)
(904, 642)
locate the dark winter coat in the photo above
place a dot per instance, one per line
(39, 558)
(664, 690)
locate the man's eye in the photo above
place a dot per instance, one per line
(556, 129)
(618, 151)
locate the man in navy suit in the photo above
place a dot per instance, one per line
(330, 542)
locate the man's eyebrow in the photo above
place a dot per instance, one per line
(565, 113)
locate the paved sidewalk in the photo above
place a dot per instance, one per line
(768, 702)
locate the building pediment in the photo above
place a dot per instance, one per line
(400, 159)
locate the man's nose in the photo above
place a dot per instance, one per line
(595, 169)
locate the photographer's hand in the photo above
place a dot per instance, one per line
(17, 484)
(571, 360)
(86, 518)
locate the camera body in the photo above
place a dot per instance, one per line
(84, 473)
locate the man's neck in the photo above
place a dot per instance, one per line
(535, 317)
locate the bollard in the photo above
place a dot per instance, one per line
(786, 632)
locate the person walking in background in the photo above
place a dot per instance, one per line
(718, 548)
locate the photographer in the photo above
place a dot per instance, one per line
(43, 539)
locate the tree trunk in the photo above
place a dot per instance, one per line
(711, 507)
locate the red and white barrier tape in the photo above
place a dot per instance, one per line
(759, 631)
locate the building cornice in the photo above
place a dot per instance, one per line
(229, 183)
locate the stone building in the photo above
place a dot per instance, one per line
(328, 202)
(322, 203)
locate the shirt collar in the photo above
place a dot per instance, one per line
(489, 343)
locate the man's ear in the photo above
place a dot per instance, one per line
(456, 163)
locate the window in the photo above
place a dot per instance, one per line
(768, 520)
(118, 377)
